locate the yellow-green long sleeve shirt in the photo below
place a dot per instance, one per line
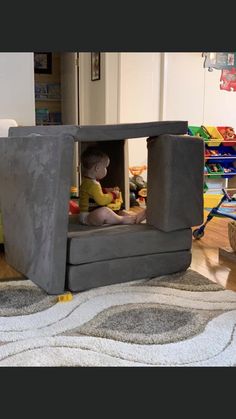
(91, 190)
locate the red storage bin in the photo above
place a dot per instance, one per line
(229, 136)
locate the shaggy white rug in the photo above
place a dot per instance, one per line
(173, 320)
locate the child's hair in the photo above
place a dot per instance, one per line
(91, 156)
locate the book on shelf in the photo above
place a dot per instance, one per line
(48, 91)
(54, 91)
(41, 90)
(42, 116)
(55, 118)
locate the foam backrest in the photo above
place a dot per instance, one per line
(35, 180)
(175, 181)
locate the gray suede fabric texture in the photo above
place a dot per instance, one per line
(175, 182)
(35, 177)
(108, 132)
(35, 181)
(91, 275)
(113, 241)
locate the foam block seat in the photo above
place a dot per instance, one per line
(98, 255)
(47, 246)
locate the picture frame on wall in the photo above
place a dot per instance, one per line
(43, 62)
(95, 66)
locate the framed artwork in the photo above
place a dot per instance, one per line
(43, 62)
(219, 60)
(95, 66)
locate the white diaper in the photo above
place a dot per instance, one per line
(83, 218)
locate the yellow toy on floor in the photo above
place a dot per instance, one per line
(64, 297)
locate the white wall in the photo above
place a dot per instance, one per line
(184, 87)
(220, 105)
(129, 91)
(139, 96)
(92, 93)
(143, 87)
(17, 87)
(193, 93)
(112, 74)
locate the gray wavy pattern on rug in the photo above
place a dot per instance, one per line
(175, 320)
(154, 323)
(23, 297)
(134, 323)
(187, 280)
(146, 323)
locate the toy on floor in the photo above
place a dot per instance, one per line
(137, 186)
(64, 297)
(116, 205)
(74, 201)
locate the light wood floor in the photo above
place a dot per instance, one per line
(205, 256)
(6, 272)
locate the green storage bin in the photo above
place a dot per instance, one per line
(216, 174)
(198, 132)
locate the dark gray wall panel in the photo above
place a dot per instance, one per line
(175, 182)
(35, 178)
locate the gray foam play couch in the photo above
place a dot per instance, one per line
(49, 247)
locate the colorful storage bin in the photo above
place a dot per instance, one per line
(228, 170)
(214, 169)
(228, 134)
(198, 132)
(215, 136)
(211, 200)
(220, 154)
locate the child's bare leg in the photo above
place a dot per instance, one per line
(139, 212)
(105, 215)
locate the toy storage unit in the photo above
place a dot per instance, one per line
(49, 247)
(220, 160)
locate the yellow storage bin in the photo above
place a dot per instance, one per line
(216, 137)
(211, 200)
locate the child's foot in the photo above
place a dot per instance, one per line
(128, 219)
(141, 216)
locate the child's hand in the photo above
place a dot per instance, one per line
(116, 192)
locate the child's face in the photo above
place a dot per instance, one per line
(101, 168)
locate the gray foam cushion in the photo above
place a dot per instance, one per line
(175, 182)
(89, 244)
(91, 275)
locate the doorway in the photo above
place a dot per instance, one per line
(56, 78)
(56, 82)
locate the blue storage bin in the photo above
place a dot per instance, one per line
(231, 168)
(222, 157)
